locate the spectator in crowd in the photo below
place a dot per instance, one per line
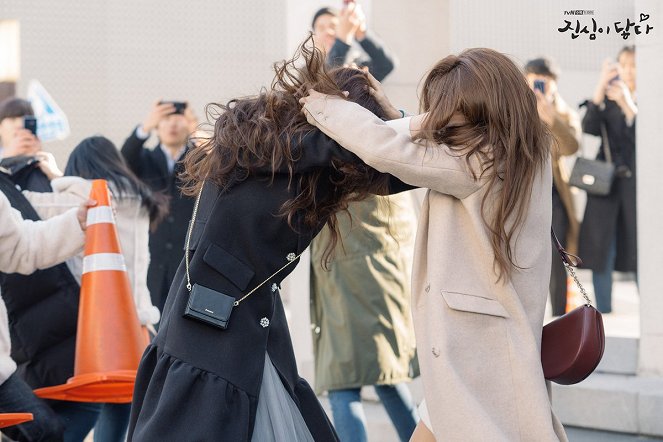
(608, 235)
(21, 149)
(135, 207)
(334, 33)
(374, 343)
(564, 124)
(159, 169)
(360, 313)
(26, 246)
(49, 297)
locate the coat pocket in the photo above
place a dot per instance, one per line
(474, 304)
(227, 265)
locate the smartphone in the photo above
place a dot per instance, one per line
(30, 123)
(615, 78)
(540, 85)
(179, 106)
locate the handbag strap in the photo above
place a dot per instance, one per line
(291, 257)
(606, 143)
(570, 261)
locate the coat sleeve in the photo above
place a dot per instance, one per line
(133, 150)
(30, 245)
(68, 193)
(591, 122)
(566, 132)
(337, 54)
(431, 166)
(382, 62)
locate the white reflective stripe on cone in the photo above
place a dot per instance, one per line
(104, 261)
(100, 215)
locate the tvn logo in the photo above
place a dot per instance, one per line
(579, 12)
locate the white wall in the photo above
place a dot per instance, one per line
(650, 183)
(105, 62)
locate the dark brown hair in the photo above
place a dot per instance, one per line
(14, 107)
(500, 135)
(263, 131)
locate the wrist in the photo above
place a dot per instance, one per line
(345, 37)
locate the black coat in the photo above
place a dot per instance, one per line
(614, 215)
(167, 241)
(26, 174)
(198, 382)
(42, 310)
(378, 59)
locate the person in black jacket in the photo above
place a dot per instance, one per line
(159, 168)
(267, 183)
(334, 32)
(47, 298)
(608, 235)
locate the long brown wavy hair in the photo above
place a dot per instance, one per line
(263, 131)
(500, 130)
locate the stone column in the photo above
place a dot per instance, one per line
(650, 182)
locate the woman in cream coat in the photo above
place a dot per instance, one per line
(135, 207)
(482, 255)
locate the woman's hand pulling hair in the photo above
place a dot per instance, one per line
(377, 91)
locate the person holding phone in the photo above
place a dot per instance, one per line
(608, 235)
(173, 122)
(335, 32)
(564, 123)
(21, 152)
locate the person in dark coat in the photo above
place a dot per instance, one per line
(159, 168)
(564, 125)
(335, 32)
(608, 236)
(268, 183)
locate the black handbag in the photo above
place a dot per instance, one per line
(595, 176)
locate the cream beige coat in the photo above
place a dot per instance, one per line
(478, 340)
(26, 246)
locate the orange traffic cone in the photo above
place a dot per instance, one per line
(573, 298)
(109, 342)
(9, 419)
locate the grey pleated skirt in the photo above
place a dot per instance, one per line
(277, 419)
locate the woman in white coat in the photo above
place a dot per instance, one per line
(136, 207)
(482, 255)
(26, 246)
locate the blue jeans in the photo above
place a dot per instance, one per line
(603, 281)
(16, 397)
(349, 418)
(113, 423)
(78, 418)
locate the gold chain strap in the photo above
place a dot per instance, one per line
(291, 258)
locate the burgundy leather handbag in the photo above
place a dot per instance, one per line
(572, 345)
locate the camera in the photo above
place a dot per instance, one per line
(540, 85)
(30, 123)
(180, 106)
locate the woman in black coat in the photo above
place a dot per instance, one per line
(608, 236)
(269, 183)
